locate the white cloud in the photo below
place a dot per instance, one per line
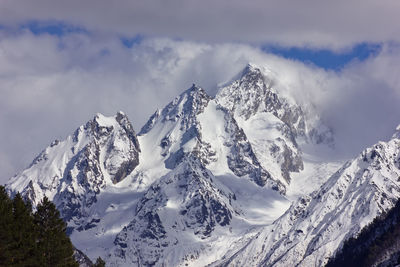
(331, 24)
(50, 85)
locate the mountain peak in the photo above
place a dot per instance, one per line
(250, 68)
(195, 91)
(107, 121)
(183, 108)
(194, 87)
(97, 127)
(246, 95)
(102, 152)
(103, 120)
(120, 112)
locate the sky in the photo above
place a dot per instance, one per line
(61, 62)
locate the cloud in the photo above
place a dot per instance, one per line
(50, 85)
(364, 101)
(311, 23)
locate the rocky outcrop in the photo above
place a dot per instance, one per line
(241, 159)
(73, 172)
(316, 226)
(82, 259)
(186, 203)
(253, 95)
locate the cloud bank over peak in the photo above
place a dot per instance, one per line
(334, 25)
(52, 84)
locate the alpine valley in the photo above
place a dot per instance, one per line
(241, 178)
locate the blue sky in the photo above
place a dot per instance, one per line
(51, 27)
(323, 58)
(327, 59)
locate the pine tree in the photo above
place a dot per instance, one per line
(54, 246)
(23, 244)
(6, 221)
(100, 262)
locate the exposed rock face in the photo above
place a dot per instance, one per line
(150, 123)
(73, 172)
(241, 159)
(184, 135)
(316, 226)
(179, 120)
(82, 259)
(186, 203)
(253, 95)
(184, 108)
(255, 104)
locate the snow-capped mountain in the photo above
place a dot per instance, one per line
(202, 152)
(274, 123)
(315, 226)
(193, 123)
(207, 181)
(73, 172)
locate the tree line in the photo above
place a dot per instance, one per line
(30, 238)
(372, 243)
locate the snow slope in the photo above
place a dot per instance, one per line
(73, 172)
(315, 226)
(196, 205)
(273, 122)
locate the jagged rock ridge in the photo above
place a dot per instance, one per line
(255, 104)
(203, 178)
(184, 204)
(73, 172)
(315, 226)
(183, 133)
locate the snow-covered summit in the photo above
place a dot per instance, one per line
(254, 92)
(73, 172)
(194, 124)
(184, 108)
(273, 122)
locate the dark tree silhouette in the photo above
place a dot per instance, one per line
(6, 221)
(368, 248)
(23, 244)
(53, 245)
(38, 239)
